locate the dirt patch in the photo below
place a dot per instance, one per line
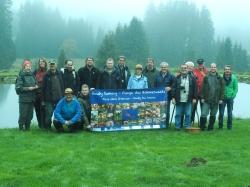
(194, 162)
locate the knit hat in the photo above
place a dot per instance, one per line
(26, 62)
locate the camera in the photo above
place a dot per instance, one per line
(183, 89)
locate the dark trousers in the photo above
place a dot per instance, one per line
(25, 115)
(40, 112)
(71, 128)
(229, 103)
(49, 109)
(167, 112)
(194, 108)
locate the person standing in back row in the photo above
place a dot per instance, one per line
(231, 89)
(26, 87)
(164, 79)
(199, 72)
(184, 95)
(109, 78)
(212, 94)
(89, 74)
(124, 73)
(150, 72)
(39, 73)
(53, 91)
(70, 77)
(138, 81)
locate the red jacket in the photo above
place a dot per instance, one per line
(199, 78)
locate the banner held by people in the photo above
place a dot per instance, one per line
(116, 110)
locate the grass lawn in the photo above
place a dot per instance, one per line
(133, 158)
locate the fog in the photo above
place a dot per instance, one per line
(230, 17)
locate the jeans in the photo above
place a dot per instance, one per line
(183, 108)
(229, 103)
(49, 109)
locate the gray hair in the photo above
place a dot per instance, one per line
(213, 64)
(164, 64)
(189, 63)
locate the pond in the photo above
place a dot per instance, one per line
(9, 105)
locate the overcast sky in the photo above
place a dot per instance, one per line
(229, 16)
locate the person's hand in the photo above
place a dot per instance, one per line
(31, 88)
(168, 88)
(173, 101)
(194, 101)
(202, 100)
(220, 102)
(66, 123)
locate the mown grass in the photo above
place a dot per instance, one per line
(134, 158)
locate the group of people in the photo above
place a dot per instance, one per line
(65, 92)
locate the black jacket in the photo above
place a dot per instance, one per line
(109, 81)
(124, 75)
(176, 89)
(89, 77)
(48, 93)
(71, 80)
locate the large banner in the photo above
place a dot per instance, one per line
(115, 110)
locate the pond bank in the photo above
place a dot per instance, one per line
(9, 77)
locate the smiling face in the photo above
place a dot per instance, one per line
(150, 64)
(27, 67)
(42, 64)
(69, 65)
(213, 68)
(85, 91)
(110, 64)
(164, 68)
(69, 96)
(89, 62)
(122, 61)
(138, 71)
(227, 70)
(184, 69)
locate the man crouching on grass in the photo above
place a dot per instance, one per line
(67, 114)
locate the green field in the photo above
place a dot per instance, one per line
(134, 158)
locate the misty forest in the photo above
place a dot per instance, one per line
(174, 32)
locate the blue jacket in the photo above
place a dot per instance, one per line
(68, 111)
(135, 83)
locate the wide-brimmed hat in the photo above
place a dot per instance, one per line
(138, 66)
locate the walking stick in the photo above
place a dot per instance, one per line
(172, 116)
(198, 118)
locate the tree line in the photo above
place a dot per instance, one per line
(174, 32)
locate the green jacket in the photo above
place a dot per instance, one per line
(231, 89)
(24, 80)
